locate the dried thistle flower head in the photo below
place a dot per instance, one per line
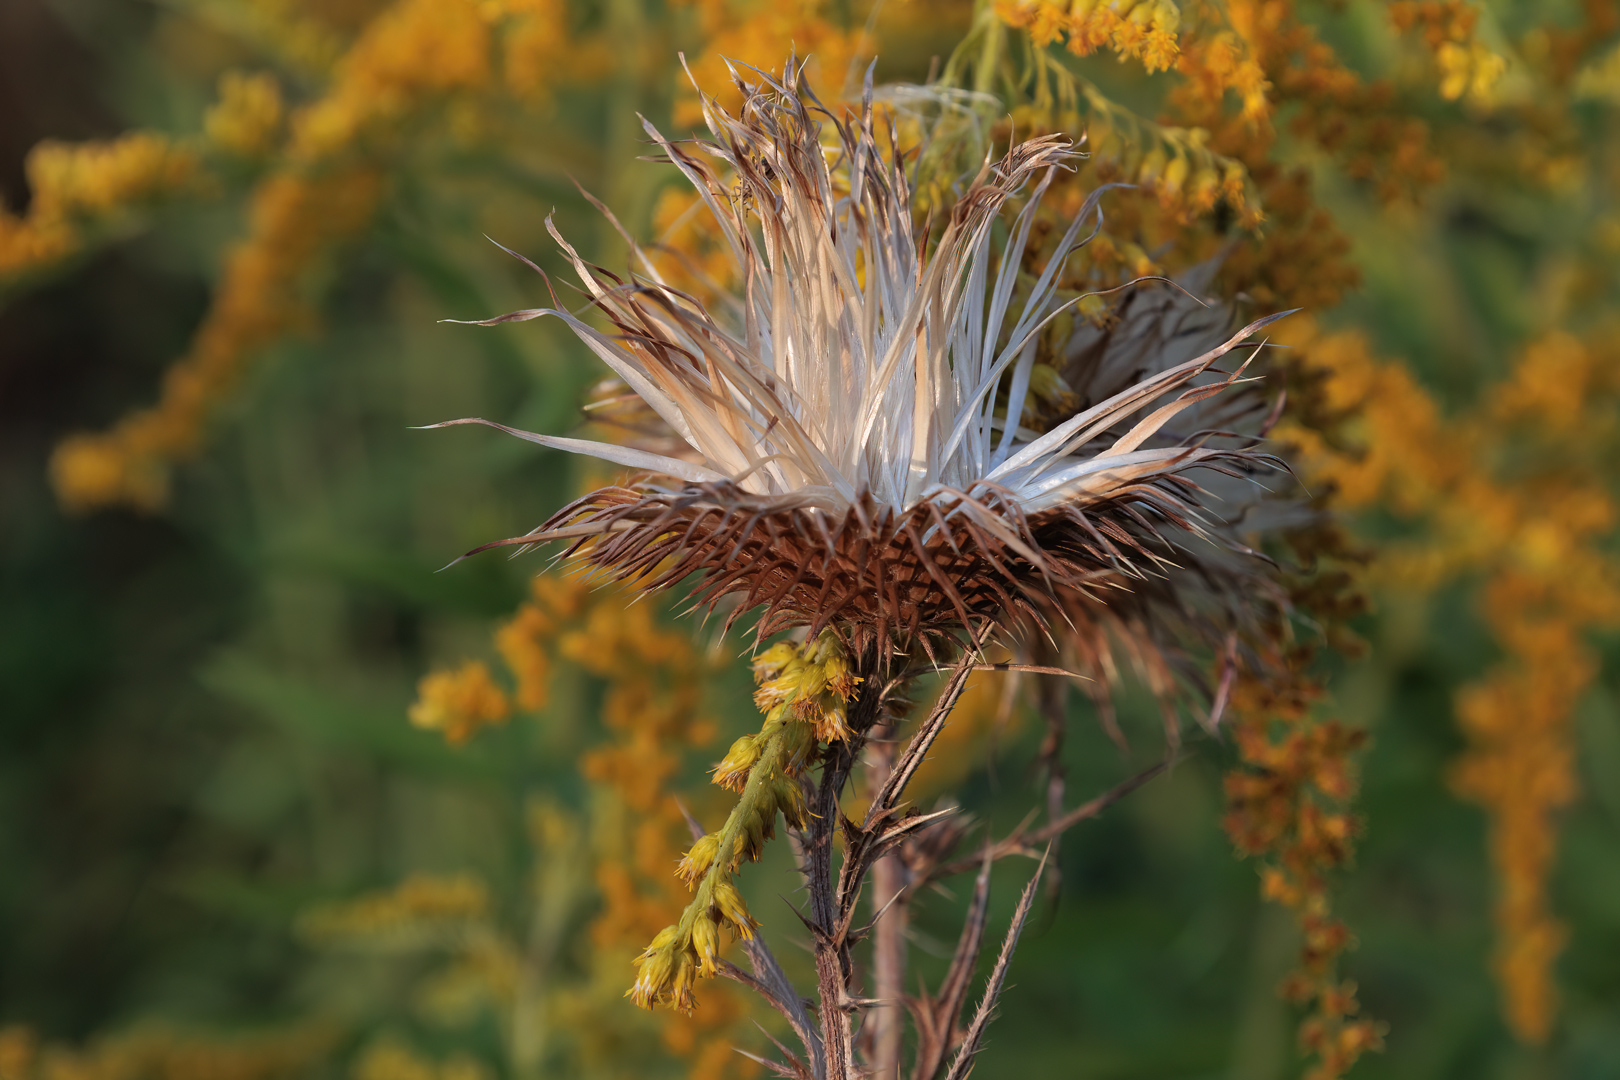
(857, 457)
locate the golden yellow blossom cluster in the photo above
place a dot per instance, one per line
(293, 219)
(1287, 804)
(1138, 29)
(459, 702)
(1535, 539)
(757, 34)
(652, 713)
(247, 119)
(77, 187)
(804, 691)
(325, 181)
(391, 1059)
(166, 1054)
(421, 907)
(322, 189)
(1449, 28)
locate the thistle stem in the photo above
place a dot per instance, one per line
(890, 912)
(827, 921)
(831, 951)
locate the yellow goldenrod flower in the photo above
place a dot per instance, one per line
(248, 115)
(698, 858)
(521, 643)
(459, 702)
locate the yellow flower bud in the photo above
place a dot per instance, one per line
(1175, 174)
(1048, 387)
(729, 902)
(832, 724)
(680, 990)
(769, 664)
(790, 800)
(840, 677)
(653, 969)
(732, 772)
(706, 944)
(1152, 166)
(661, 940)
(697, 860)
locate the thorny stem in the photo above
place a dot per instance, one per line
(833, 966)
(890, 910)
(865, 734)
(1051, 695)
(832, 901)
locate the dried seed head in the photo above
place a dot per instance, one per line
(854, 458)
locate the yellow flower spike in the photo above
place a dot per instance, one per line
(1454, 69)
(661, 940)
(781, 687)
(519, 642)
(698, 858)
(1153, 166)
(840, 676)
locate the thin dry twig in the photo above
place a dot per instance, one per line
(937, 1017)
(1023, 840)
(962, 1065)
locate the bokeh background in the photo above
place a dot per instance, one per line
(233, 230)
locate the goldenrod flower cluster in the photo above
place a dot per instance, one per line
(459, 702)
(757, 35)
(390, 1059)
(651, 711)
(1287, 803)
(78, 186)
(1536, 541)
(321, 189)
(804, 691)
(1140, 29)
(1449, 28)
(162, 1052)
(247, 119)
